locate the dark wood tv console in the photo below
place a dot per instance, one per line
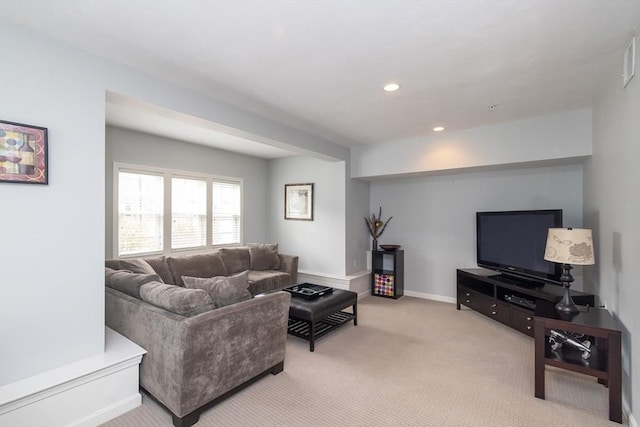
(509, 300)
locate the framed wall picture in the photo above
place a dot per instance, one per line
(23, 153)
(298, 202)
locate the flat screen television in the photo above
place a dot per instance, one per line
(513, 242)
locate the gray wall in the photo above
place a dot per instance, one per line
(434, 217)
(612, 210)
(319, 243)
(357, 238)
(127, 146)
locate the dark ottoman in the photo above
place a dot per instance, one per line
(311, 319)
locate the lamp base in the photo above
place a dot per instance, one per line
(566, 304)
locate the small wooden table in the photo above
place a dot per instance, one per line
(605, 360)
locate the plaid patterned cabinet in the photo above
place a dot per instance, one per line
(387, 276)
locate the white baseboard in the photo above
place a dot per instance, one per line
(86, 393)
(359, 282)
(433, 297)
(110, 412)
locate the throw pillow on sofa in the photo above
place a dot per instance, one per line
(235, 260)
(199, 265)
(176, 299)
(161, 267)
(222, 290)
(136, 265)
(264, 256)
(128, 282)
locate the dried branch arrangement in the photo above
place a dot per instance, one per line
(376, 225)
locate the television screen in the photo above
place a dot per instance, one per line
(514, 242)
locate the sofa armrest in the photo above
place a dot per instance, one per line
(193, 360)
(289, 264)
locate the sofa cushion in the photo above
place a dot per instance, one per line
(264, 256)
(113, 264)
(176, 299)
(200, 265)
(267, 281)
(128, 282)
(222, 290)
(137, 265)
(235, 259)
(161, 267)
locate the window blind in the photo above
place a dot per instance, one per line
(188, 213)
(226, 212)
(140, 212)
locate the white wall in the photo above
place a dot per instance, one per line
(52, 237)
(541, 139)
(612, 210)
(127, 146)
(320, 243)
(434, 217)
(51, 291)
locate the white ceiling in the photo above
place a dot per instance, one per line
(319, 66)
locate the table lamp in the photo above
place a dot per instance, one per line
(569, 246)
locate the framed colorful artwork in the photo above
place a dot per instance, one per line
(298, 201)
(23, 153)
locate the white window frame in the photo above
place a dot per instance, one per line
(168, 174)
(206, 219)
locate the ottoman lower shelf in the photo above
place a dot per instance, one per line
(302, 328)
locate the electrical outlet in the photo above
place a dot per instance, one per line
(354, 262)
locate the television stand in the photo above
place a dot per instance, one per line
(508, 300)
(513, 280)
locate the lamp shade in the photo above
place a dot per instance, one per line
(570, 246)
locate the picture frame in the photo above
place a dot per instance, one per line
(298, 202)
(23, 153)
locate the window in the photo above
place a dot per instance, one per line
(162, 211)
(188, 213)
(226, 213)
(140, 211)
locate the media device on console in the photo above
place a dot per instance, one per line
(513, 242)
(524, 302)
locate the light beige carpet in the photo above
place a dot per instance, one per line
(409, 362)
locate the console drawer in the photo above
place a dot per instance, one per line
(474, 300)
(484, 304)
(499, 311)
(522, 320)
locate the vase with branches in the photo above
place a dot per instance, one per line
(376, 227)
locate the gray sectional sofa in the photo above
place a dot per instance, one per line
(222, 331)
(268, 269)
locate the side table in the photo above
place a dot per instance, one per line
(604, 362)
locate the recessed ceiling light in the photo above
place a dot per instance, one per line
(391, 87)
(438, 128)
